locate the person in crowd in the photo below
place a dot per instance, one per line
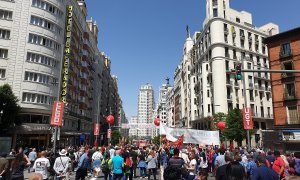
(4, 166)
(72, 156)
(112, 152)
(18, 165)
(84, 165)
(279, 165)
(106, 166)
(270, 158)
(163, 161)
(42, 165)
(118, 164)
(97, 159)
(36, 176)
(202, 175)
(297, 163)
(251, 165)
(220, 159)
(175, 160)
(183, 154)
(262, 172)
(152, 164)
(134, 157)
(32, 157)
(142, 165)
(232, 170)
(61, 165)
(127, 164)
(192, 168)
(203, 161)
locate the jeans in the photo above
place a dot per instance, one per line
(143, 172)
(117, 176)
(107, 175)
(152, 171)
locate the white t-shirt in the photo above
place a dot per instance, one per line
(203, 164)
(193, 162)
(61, 164)
(112, 153)
(41, 166)
(97, 155)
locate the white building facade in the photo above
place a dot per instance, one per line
(133, 120)
(145, 109)
(228, 37)
(162, 102)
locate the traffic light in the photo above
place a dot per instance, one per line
(238, 71)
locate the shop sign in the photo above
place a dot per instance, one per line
(57, 113)
(67, 51)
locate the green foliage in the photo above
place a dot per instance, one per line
(156, 140)
(235, 126)
(9, 106)
(115, 136)
(217, 118)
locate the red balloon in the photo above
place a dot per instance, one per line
(157, 122)
(110, 119)
(221, 125)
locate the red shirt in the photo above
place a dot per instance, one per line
(278, 163)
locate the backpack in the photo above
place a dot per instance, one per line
(105, 166)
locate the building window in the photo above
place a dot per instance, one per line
(215, 12)
(4, 34)
(234, 53)
(36, 77)
(238, 20)
(47, 7)
(290, 89)
(41, 59)
(227, 52)
(287, 66)
(45, 24)
(208, 108)
(37, 98)
(43, 41)
(6, 15)
(285, 50)
(2, 73)
(292, 115)
(3, 53)
(214, 2)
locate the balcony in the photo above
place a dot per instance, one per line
(285, 54)
(242, 36)
(292, 120)
(289, 97)
(251, 99)
(250, 39)
(261, 88)
(251, 85)
(226, 31)
(287, 75)
(229, 97)
(268, 89)
(264, 116)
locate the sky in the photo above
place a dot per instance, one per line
(144, 38)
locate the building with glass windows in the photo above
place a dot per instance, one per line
(37, 39)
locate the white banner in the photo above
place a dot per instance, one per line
(138, 126)
(192, 136)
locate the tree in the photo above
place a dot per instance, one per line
(234, 130)
(115, 136)
(9, 107)
(217, 118)
(156, 140)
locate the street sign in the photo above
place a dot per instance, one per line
(96, 129)
(57, 113)
(247, 116)
(109, 133)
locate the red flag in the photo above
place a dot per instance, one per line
(57, 113)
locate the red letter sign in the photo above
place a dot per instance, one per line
(247, 115)
(96, 129)
(57, 113)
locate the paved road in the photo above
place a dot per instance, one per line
(72, 177)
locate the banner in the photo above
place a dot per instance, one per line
(247, 116)
(191, 136)
(57, 113)
(96, 129)
(138, 126)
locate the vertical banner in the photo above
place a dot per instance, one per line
(247, 116)
(109, 133)
(96, 129)
(57, 113)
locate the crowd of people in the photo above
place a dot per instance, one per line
(189, 162)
